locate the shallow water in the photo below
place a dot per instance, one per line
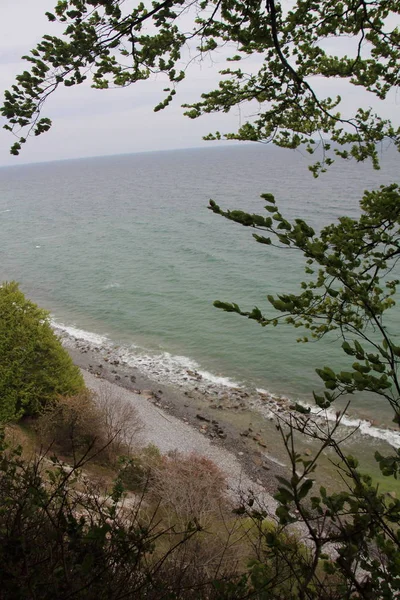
(125, 247)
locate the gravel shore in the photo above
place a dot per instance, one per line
(169, 433)
(236, 432)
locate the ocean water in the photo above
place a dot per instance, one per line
(123, 248)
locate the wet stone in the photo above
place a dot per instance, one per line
(201, 418)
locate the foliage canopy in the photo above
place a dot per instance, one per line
(34, 367)
(114, 43)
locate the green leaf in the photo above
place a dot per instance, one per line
(305, 489)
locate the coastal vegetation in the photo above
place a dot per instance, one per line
(34, 368)
(353, 535)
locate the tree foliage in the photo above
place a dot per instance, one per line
(112, 44)
(34, 367)
(350, 285)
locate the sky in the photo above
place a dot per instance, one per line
(89, 122)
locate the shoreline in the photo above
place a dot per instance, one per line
(229, 429)
(229, 417)
(184, 376)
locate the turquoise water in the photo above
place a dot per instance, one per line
(125, 247)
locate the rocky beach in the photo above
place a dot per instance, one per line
(222, 419)
(239, 420)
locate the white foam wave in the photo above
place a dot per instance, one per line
(364, 427)
(112, 286)
(272, 395)
(220, 380)
(181, 370)
(175, 368)
(6, 210)
(81, 334)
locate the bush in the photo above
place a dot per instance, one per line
(73, 426)
(191, 494)
(34, 367)
(57, 541)
(137, 472)
(90, 424)
(119, 420)
(191, 488)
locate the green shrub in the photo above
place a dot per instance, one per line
(73, 426)
(138, 471)
(34, 367)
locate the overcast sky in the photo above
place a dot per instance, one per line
(89, 122)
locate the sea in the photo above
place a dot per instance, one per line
(123, 250)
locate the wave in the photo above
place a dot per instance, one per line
(80, 334)
(365, 427)
(183, 371)
(112, 286)
(175, 369)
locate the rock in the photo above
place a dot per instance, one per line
(222, 435)
(201, 418)
(259, 482)
(245, 433)
(117, 377)
(133, 378)
(262, 444)
(240, 453)
(194, 374)
(266, 467)
(307, 452)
